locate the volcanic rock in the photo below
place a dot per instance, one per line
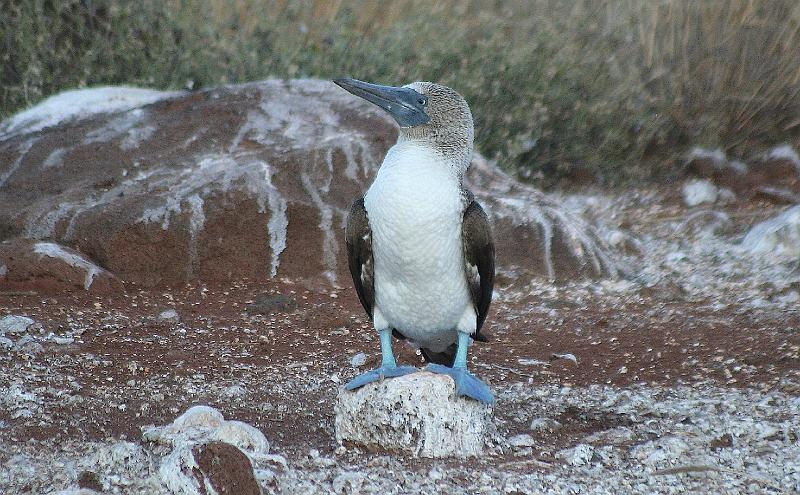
(46, 265)
(241, 181)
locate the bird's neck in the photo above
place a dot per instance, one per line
(457, 153)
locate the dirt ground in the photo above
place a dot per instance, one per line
(120, 343)
(99, 368)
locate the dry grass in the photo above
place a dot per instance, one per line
(616, 88)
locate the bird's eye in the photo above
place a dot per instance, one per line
(422, 101)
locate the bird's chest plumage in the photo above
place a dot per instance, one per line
(415, 210)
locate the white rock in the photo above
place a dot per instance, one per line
(169, 315)
(417, 413)
(203, 432)
(580, 455)
(198, 416)
(242, 435)
(544, 424)
(358, 360)
(28, 345)
(523, 440)
(776, 236)
(235, 391)
(725, 196)
(697, 192)
(176, 471)
(14, 324)
(6, 343)
(612, 436)
(668, 448)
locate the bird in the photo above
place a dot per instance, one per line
(419, 246)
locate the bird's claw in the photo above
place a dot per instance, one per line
(379, 374)
(467, 384)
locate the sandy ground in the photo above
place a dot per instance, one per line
(687, 376)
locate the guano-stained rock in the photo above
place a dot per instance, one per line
(253, 181)
(418, 414)
(47, 265)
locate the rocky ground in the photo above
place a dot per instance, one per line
(685, 377)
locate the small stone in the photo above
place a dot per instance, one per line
(234, 391)
(28, 345)
(63, 340)
(580, 455)
(566, 356)
(358, 360)
(523, 440)
(436, 473)
(198, 416)
(242, 435)
(169, 315)
(14, 324)
(544, 424)
(662, 449)
(6, 343)
(697, 192)
(613, 436)
(417, 413)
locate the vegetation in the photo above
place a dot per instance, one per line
(616, 89)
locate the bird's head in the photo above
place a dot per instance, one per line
(426, 112)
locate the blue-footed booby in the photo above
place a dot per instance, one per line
(419, 246)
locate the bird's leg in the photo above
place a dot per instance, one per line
(388, 368)
(467, 384)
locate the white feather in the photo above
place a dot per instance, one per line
(415, 212)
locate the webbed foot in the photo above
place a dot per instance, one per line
(379, 374)
(467, 384)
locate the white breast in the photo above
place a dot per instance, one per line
(415, 211)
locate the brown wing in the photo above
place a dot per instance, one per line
(478, 245)
(359, 254)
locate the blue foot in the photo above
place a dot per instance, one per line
(379, 374)
(467, 384)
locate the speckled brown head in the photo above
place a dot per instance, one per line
(426, 112)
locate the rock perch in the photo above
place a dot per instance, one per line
(418, 413)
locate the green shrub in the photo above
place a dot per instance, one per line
(614, 88)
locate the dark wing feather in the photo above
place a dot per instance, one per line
(359, 254)
(478, 247)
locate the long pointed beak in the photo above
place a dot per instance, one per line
(404, 104)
